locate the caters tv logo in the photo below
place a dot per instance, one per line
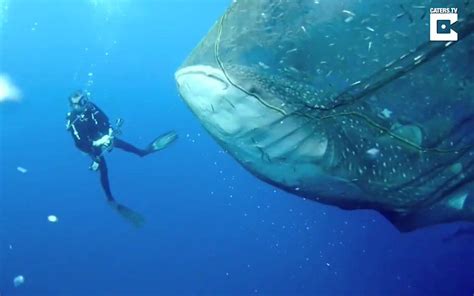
(441, 21)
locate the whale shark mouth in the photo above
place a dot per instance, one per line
(201, 72)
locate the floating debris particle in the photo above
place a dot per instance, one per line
(52, 218)
(401, 33)
(386, 113)
(263, 65)
(18, 280)
(22, 170)
(373, 152)
(8, 91)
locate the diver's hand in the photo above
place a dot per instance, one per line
(94, 166)
(105, 141)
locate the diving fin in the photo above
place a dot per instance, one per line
(128, 214)
(162, 141)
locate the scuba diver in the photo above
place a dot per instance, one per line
(93, 134)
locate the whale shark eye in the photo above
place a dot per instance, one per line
(253, 90)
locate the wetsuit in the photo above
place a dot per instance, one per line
(89, 125)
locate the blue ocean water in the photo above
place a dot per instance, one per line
(212, 228)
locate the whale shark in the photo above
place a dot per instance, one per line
(359, 144)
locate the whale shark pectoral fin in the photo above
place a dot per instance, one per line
(409, 136)
(452, 208)
(419, 134)
(457, 201)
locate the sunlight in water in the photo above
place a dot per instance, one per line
(110, 8)
(8, 91)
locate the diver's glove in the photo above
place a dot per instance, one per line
(105, 141)
(94, 166)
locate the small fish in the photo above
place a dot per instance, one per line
(348, 12)
(423, 15)
(410, 17)
(399, 15)
(401, 34)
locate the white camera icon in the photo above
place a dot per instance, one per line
(440, 27)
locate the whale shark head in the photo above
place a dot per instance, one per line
(225, 110)
(248, 113)
(253, 123)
